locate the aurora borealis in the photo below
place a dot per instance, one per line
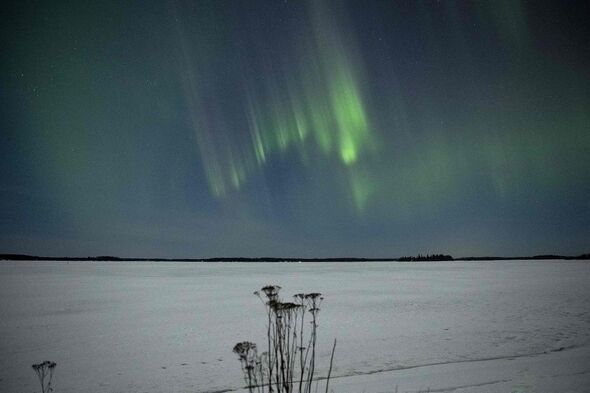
(293, 128)
(307, 97)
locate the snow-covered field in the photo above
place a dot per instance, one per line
(510, 326)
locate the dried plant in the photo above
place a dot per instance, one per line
(289, 364)
(251, 364)
(44, 371)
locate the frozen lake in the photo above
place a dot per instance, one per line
(170, 327)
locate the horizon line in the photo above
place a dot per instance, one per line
(418, 258)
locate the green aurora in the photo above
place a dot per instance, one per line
(295, 128)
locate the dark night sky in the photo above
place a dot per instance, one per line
(291, 128)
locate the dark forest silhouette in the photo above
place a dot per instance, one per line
(418, 258)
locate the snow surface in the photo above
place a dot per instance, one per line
(519, 326)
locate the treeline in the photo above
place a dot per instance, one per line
(427, 257)
(535, 257)
(107, 258)
(419, 258)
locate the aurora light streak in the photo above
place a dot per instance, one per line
(309, 95)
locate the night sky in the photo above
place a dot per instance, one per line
(292, 128)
